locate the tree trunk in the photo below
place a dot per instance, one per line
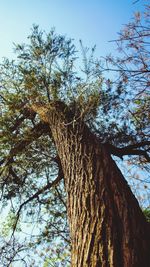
(107, 227)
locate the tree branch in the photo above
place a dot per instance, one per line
(31, 135)
(36, 195)
(130, 150)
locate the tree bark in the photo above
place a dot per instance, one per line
(107, 226)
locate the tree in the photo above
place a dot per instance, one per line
(133, 67)
(59, 129)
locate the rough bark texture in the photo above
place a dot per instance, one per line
(107, 227)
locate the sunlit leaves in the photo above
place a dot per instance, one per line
(8, 225)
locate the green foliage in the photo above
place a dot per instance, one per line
(47, 70)
(147, 214)
(8, 225)
(56, 256)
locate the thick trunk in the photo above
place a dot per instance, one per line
(107, 227)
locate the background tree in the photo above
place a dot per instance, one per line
(132, 70)
(59, 127)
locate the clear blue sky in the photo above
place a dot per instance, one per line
(93, 21)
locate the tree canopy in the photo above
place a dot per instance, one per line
(47, 70)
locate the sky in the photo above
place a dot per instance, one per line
(92, 21)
